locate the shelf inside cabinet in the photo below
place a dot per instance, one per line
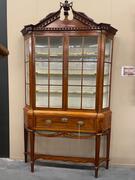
(59, 92)
(39, 54)
(72, 73)
(44, 90)
(42, 72)
(90, 55)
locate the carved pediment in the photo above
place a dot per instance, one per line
(80, 22)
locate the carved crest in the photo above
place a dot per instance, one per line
(80, 22)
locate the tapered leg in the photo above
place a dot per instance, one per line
(97, 154)
(25, 144)
(108, 136)
(32, 146)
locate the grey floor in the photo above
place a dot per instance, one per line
(18, 170)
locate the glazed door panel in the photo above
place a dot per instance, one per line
(27, 49)
(82, 70)
(49, 71)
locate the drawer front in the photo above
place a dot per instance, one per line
(65, 123)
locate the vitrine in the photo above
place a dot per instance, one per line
(68, 66)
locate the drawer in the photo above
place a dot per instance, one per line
(65, 123)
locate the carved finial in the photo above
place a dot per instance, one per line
(66, 6)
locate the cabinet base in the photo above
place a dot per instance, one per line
(97, 160)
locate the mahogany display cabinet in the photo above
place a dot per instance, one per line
(68, 81)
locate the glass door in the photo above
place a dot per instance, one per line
(82, 69)
(49, 71)
(27, 50)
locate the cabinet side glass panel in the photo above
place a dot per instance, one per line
(48, 67)
(27, 49)
(107, 73)
(82, 68)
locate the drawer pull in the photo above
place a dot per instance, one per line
(48, 121)
(64, 120)
(80, 123)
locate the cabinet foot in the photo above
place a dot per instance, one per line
(25, 158)
(32, 153)
(97, 154)
(96, 172)
(32, 167)
(107, 164)
(108, 135)
(25, 144)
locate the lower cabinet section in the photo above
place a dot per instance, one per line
(67, 124)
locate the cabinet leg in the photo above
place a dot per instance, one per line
(25, 144)
(97, 154)
(32, 146)
(108, 136)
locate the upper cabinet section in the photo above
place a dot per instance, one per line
(82, 72)
(68, 62)
(49, 71)
(80, 22)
